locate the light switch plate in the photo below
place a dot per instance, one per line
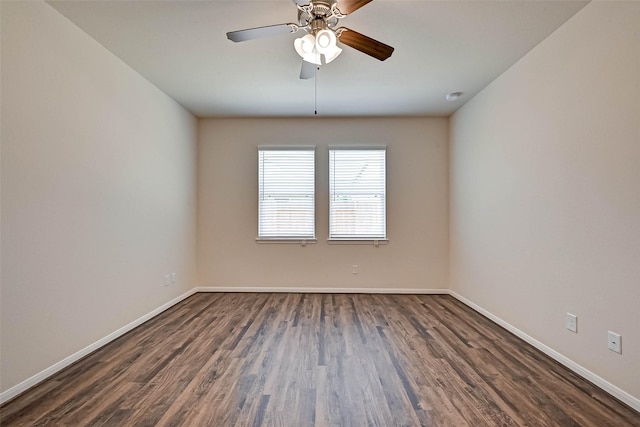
(572, 322)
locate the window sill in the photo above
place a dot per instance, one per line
(374, 242)
(298, 241)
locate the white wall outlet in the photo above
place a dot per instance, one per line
(167, 280)
(572, 322)
(614, 342)
(173, 277)
(354, 269)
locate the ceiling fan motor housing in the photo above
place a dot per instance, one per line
(318, 15)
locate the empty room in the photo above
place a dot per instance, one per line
(320, 213)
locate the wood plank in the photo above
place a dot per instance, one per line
(261, 359)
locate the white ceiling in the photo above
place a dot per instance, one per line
(440, 47)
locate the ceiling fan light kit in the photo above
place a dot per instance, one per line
(319, 19)
(311, 48)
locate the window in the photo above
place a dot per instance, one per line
(357, 194)
(286, 193)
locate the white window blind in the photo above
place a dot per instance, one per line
(286, 193)
(357, 194)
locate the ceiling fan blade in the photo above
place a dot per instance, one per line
(301, 2)
(308, 70)
(365, 44)
(349, 6)
(259, 32)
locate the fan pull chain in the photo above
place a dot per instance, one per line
(315, 99)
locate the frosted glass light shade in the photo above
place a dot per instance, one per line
(333, 54)
(326, 45)
(306, 47)
(324, 41)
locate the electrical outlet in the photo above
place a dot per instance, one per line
(614, 342)
(572, 322)
(354, 269)
(167, 280)
(173, 277)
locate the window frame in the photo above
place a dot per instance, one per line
(357, 239)
(284, 238)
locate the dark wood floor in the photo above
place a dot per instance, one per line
(323, 360)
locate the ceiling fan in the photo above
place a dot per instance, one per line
(318, 18)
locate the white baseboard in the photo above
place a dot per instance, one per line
(305, 290)
(43, 375)
(616, 392)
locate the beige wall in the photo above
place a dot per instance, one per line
(416, 256)
(98, 192)
(545, 192)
